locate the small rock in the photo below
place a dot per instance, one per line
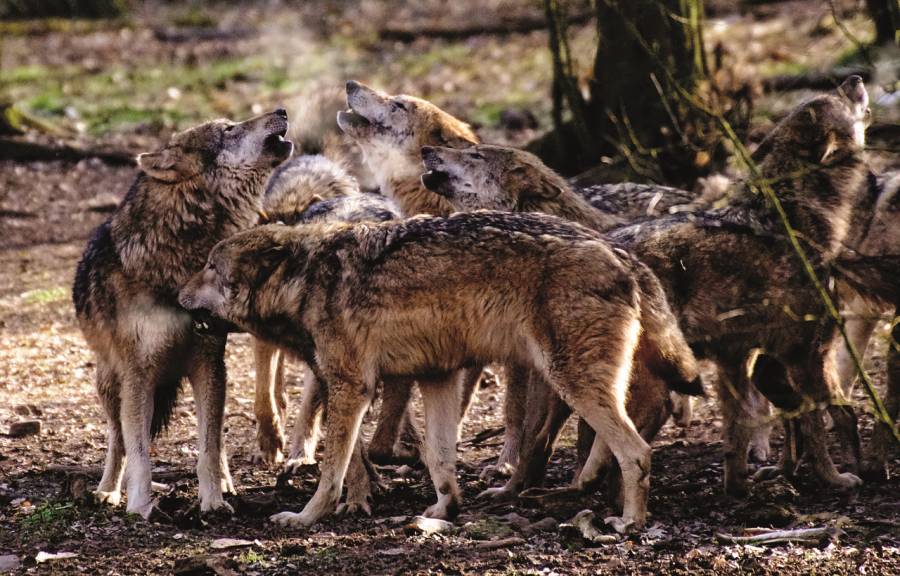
(9, 563)
(25, 428)
(548, 524)
(205, 565)
(428, 526)
(223, 543)
(516, 521)
(487, 529)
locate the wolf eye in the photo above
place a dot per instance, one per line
(476, 156)
(398, 105)
(229, 128)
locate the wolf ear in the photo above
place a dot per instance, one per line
(829, 147)
(532, 184)
(166, 166)
(461, 137)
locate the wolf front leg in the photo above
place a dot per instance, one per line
(269, 362)
(206, 372)
(348, 398)
(440, 399)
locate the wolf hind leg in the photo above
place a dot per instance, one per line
(307, 425)
(108, 387)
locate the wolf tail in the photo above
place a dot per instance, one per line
(164, 398)
(665, 348)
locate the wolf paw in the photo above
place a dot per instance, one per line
(352, 508)
(142, 510)
(290, 520)
(112, 498)
(499, 470)
(767, 473)
(216, 506)
(299, 465)
(271, 443)
(620, 525)
(497, 494)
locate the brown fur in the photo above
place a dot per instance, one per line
(203, 186)
(440, 294)
(498, 177)
(390, 131)
(729, 304)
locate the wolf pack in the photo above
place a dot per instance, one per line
(398, 252)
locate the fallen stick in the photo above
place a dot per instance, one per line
(801, 536)
(501, 543)
(484, 435)
(25, 151)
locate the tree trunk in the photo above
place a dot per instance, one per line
(646, 48)
(886, 14)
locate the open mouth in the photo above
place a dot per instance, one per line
(437, 181)
(277, 145)
(350, 120)
(205, 323)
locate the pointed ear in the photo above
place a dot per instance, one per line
(166, 165)
(456, 136)
(534, 184)
(829, 147)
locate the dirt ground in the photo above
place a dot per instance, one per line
(120, 84)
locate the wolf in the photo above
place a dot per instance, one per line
(202, 186)
(875, 235)
(491, 177)
(389, 131)
(423, 297)
(736, 286)
(292, 190)
(306, 190)
(505, 178)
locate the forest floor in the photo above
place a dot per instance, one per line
(126, 84)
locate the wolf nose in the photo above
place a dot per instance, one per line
(352, 86)
(281, 112)
(426, 151)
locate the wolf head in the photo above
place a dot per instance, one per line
(247, 278)
(823, 130)
(221, 150)
(489, 177)
(391, 130)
